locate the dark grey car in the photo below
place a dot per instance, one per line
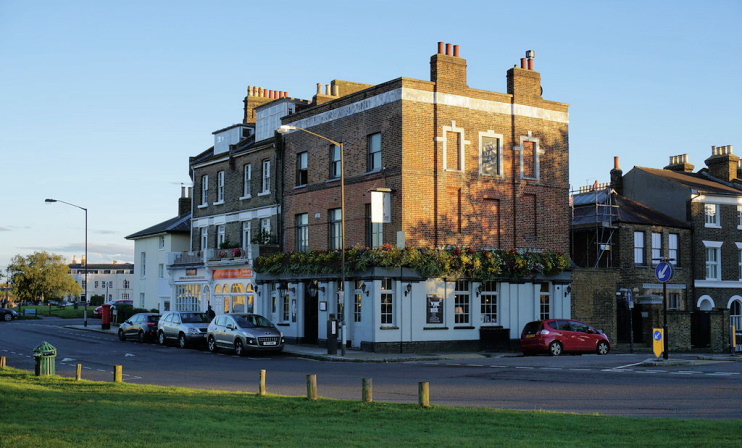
(244, 332)
(186, 327)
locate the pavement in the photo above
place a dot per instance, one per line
(353, 355)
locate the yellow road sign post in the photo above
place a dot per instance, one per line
(658, 341)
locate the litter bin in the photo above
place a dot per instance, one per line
(45, 356)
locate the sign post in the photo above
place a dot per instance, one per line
(663, 272)
(658, 344)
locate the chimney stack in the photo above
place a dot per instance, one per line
(616, 177)
(680, 164)
(723, 164)
(524, 81)
(184, 203)
(447, 68)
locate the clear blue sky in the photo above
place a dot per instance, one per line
(102, 103)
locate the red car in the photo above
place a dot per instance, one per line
(113, 303)
(557, 336)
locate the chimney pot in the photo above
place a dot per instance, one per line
(440, 47)
(448, 49)
(456, 51)
(615, 163)
(522, 62)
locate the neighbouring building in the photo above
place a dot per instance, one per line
(616, 246)
(110, 280)
(710, 200)
(236, 210)
(152, 283)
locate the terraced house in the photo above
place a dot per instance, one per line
(451, 202)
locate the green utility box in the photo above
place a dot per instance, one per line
(45, 356)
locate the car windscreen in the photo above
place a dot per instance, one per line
(194, 318)
(252, 320)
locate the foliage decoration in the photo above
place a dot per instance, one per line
(451, 262)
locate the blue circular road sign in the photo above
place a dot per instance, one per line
(663, 271)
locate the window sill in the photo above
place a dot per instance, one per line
(712, 226)
(389, 328)
(264, 193)
(242, 198)
(283, 324)
(464, 328)
(299, 186)
(219, 203)
(202, 205)
(435, 328)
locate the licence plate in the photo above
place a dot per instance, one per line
(530, 335)
(269, 343)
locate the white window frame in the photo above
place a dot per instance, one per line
(488, 302)
(204, 190)
(537, 153)
(711, 216)
(639, 255)
(462, 303)
(334, 162)
(544, 298)
(204, 238)
(335, 229)
(161, 242)
(246, 179)
(161, 270)
(713, 267)
(656, 248)
(462, 142)
(498, 139)
(386, 303)
(739, 260)
(266, 181)
(221, 236)
(673, 249)
(143, 265)
(302, 232)
(219, 187)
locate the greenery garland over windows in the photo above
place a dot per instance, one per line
(453, 262)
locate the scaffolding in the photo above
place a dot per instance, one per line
(595, 218)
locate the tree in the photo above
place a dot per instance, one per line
(41, 276)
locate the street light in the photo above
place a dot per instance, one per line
(283, 129)
(85, 311)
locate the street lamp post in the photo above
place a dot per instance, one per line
(85, 311)
(283, 129)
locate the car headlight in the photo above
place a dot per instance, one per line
(251, 341)
(193, 331)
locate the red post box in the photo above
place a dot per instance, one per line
(105, 317)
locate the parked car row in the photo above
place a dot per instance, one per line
(241, 332)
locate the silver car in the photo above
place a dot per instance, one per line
(186, 327)
(242, 333)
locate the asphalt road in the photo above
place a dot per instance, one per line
(615, 384)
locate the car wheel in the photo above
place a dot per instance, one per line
(212, 344)
(161, 338)
(7, 317)
(239, 348)
(140, 336)
(122, 337)
(555, 348)
(603, 348)
(182, 340)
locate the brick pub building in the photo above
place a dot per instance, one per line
(458, 166)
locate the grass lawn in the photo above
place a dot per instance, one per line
(60, 412)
